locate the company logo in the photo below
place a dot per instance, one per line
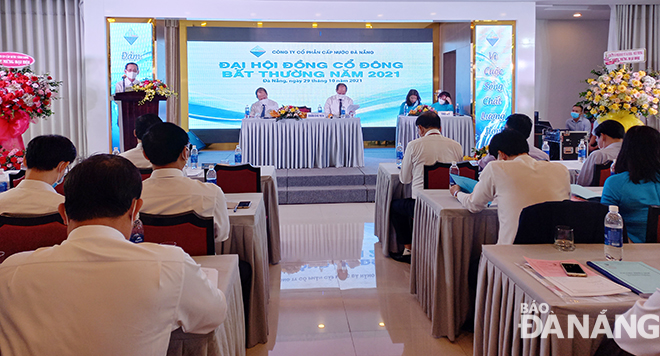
(257, 51)
(492, 38)
(130, 36)
(532, 325)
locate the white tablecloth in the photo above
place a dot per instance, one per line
(388, 187)
(248, 239)
(308, 143)
(228, 339)
(574, 168)
(503, 286)
(447, 239)
(458, 128)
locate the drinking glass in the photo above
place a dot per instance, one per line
(564, 238)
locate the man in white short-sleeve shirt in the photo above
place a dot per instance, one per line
(337, 102)
(97, 293)
(169, 191)
(262, 108)
(47, 158)
(515, 181)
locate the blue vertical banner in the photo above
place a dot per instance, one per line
(494, 92)
(129, 43)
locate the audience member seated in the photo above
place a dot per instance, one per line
(523, 124)
(516, 181)
(609, 135)
(635, 343)
(98, 293)
(136, 154)
(169, 191)
(46, 158)
(578, 122)
(636, 184)
(430, 148)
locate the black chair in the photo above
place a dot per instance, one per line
(193, 233)
(652, 227)
(16, 178)
(537, 222)
(146, 172)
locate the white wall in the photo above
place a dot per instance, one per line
(566, 52)
(95, 11)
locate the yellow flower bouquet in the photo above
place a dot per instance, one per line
(622, 90)
(151, 88)
(288, 112)
(419, 109)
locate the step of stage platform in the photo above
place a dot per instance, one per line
(326, 185)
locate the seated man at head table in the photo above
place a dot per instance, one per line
(523, 124)
(515, 181)
(47, 158)
(430, 148)
(337, 102)
(169, 191)
(578, 122)
(609, 136)
(263, 106)
(98, 293)
(136, 154)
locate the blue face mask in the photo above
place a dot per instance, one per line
(575, 115)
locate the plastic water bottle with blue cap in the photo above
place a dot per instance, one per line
(320, 109)
(613, 234)
(194, 157)
(582, 151)
(247, 111)
(137, 234)
(455, 171)
(238, 155)
(546, 148)
(399, 155)
(115, 151)
(211, 175)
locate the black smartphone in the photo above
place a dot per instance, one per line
(573, 270)
(244, 204)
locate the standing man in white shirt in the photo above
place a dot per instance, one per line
(337, 102)
(129, 78)
(430, 148)
(169, 191)
(609, 136)
(97, 293)
(136, 154)
(578, 122)
(47, 159)
(262, 108)
(515, 181)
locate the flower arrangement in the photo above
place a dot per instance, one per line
(477, 154)
(11, 159)
(622, 89)
(288, 112)
(151, 88)
(21, 90)
(419, 109)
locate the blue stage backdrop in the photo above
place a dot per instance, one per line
(302, 67)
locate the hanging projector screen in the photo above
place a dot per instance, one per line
(302, 67)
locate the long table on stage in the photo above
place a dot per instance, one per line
(458, 128)
(307, 143)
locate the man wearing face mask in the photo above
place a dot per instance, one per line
(129, 78)
(578, 122)
(169, 191)
(444, 102)
(97, 293)
(47, 158)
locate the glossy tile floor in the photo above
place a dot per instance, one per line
(334, 293)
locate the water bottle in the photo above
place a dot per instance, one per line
(546, 148)
(612, 167)
(399, 154)
(320, 109)
(137, 234)
(343, 113)
(194, 157)
(613, 235)
(115, 151)
(247, 111)
(453, 170)
(458, 110)
(238, 155)
(582, 151)
(4, 181)
(405, 109)
(211, 175)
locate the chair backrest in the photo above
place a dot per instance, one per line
(29, 232)
(239, 179)
(537, 222)
(16, 178)
(193, 233)
(652, 227)
(601, 173)
(146, 172)
(60, 187)
(437, 175)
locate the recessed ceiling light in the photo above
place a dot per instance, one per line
(321, 326)
(315, 25)
(577, 14)
(203, 24)
(433, 14)
(381, 324)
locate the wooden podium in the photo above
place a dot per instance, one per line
(131, 110)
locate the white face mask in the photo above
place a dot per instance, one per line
(442, 101)
(131, 75)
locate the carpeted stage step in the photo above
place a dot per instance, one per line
(326, 185)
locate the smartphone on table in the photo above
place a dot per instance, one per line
(573, 270)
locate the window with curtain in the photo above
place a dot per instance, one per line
(50, 31)
(638, 26)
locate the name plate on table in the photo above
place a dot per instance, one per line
(445, 113)
(315, 115)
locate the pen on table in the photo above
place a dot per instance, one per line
(236, 208)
